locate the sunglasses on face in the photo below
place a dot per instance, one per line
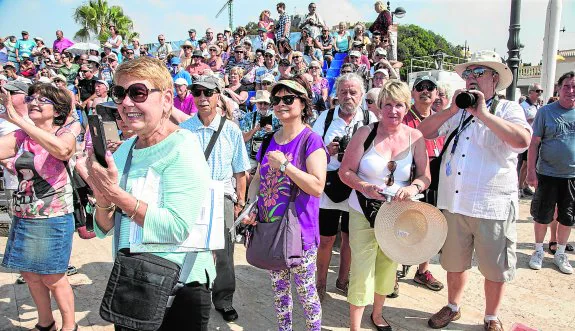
(476, 72)
(187, 47)
(345, 72)
(421, 87)
(161, 39)
(207, 93)
(239, 52)
(85, 71)
(111, 60)
(391, 166)
(296, 57)
(537, 91)
(266, 83)
(137, 92)
(370, 101)
(287, 99)
(269, 56)
(39, 100)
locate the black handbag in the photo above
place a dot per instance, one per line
(370, 207)
(141, 286)
(335, 189)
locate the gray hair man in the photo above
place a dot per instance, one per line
(336, 126)
(477, 185)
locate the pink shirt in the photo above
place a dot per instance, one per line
(198, 69)
(187, 105)
(61, 45)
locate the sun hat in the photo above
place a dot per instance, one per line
(268, 78)
(410, 232)
(187, 43)
(247, 41)
(293, 85)
(262, 96)
(380, 51)
(39, 38)
(59, 77)
(113, 55)
(44, 80)
(197, 53)
(94, 58)
(24, 32)
(181, 81)
(314, 64)
(107, 45)
(18, 85)
(216, 47)
(209, 82)
(492, 60)
(84, 67)
(9, 64)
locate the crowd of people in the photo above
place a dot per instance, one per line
(264, 115)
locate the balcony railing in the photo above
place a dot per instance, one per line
(529, 71)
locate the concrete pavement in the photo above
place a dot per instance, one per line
(543, 299)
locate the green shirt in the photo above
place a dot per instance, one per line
(69, 73)
(183, 185)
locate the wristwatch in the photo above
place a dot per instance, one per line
(284, 165)
(419, 187)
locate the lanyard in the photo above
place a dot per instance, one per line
(435, 149)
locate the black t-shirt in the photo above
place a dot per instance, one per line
(240, 89)
(86, 87)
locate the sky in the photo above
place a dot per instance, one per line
(484, 24)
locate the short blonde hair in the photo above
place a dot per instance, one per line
(380, 6)
(146, 68)
(394, 90)
(237, 70)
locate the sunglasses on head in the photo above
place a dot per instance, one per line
(137, 92)
(39, 100)
(476, 72)
(287, 99)
(391, 166)
(421, 87)
(207, 92)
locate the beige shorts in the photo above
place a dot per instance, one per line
(494, 243)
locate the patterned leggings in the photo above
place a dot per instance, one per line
(304, 278)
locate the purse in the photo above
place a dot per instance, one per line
(278, 245)
(141, 286)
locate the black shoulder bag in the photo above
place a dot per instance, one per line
(142, 286)
(334, 188)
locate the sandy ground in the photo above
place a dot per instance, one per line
(543, 299)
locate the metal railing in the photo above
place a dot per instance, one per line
(439, 61)
(529, 71)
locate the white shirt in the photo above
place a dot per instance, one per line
(483, 180)
(337, 128)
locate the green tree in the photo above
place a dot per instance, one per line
(96, 15)
(251, 28)
(414, 41)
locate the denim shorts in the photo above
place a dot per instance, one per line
(41, 246)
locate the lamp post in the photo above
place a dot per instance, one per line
(514, 47)
(399, 12)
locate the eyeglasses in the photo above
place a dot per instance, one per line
(477, 72)
(213, 50)
(269, 55)
(207, 92)
(287, 99)
(391, 166)
(39, 100)
(421, 87)
(137, 92)
(370, 101)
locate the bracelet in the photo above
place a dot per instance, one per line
(135, 209)
(110, 207)
(419, 187)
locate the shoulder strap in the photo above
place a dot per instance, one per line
(267, 139)
(123, 181)
(365, 116)
(452, 135)
(494, 104)
(215, 136)
(328, 120)
(254, 112)
(370, 137)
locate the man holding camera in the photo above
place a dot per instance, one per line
(337, 126)
(478, 183)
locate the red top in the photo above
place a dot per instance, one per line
(434, 146)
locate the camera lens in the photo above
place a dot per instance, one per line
(465, 100)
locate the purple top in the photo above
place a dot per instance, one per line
(187, 106)
(61, 45)
(274, 196)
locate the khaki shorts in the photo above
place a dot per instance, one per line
(494, 243)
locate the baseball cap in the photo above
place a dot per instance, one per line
(422, 79)
(354, 53)
(357, 43)
(380, 51)
(107, 45)
(38, 38)
(268, 78)
(26, 55)
(59, 77)
(262, 30)
(191, 30)
(113, 55)
(9, 64)
(93, 58)
(84, 67)
(197, 53)
(17, 86)
(209, 82)
(270, 51)
(383, 71)
(284, 63)
(181, 81)
(175, 61)
(25, 32)
(101, 81)
(247, 41)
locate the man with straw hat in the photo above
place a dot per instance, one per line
(478, 183)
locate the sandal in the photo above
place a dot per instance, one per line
(569, 248)
(74, 329)
(71, 270)
(395, 292)
(45, 328)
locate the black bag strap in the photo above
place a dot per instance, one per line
(365, 116)
(215, 136)
(452, 135)
(123, 181)
(370, 137)
(328, 120)
(255, 113)
(74, 190)
(267, 139)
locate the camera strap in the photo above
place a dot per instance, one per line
(215, 136)
(329, 119)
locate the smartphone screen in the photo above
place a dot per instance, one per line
(111, 131)
(98, 138)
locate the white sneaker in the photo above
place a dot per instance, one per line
(562, 262)
(536, 260)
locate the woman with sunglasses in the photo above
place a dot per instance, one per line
(215, 60)
(69, 70)
(235, 90)
(40, 240)
(165, 160)
(320, 84)
(278, 172)
(397, 146)
(298, 64)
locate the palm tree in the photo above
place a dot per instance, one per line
(95, 17)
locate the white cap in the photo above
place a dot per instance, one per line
(45, 79)
(181, 81)
(355, 53)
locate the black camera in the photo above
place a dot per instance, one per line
(465, 100)
(343, 142)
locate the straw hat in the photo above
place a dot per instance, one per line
(492, 60)
(410, 232)
(262, 96)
